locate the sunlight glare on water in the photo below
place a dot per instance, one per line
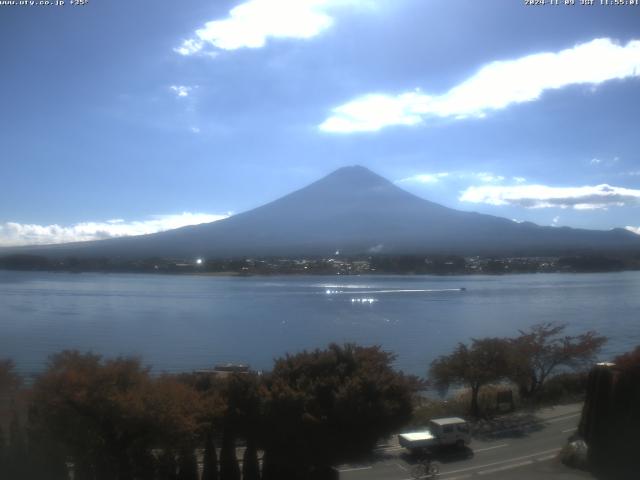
(178, 323)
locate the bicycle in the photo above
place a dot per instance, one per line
(425, 469)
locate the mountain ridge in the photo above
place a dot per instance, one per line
(355, 211)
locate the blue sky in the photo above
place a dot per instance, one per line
(123, 117)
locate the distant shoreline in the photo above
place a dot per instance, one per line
(442, 265)
(319, 274)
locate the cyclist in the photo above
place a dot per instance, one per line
(425, 468)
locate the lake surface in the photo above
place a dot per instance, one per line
(178, 323)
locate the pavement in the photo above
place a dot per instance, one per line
(523, 446)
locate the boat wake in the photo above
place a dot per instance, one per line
(413, 290)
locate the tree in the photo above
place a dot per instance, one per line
(240, 398)
(250, 466)
(187, 465)
(167, 465)
(47, 458)
(269, 468)
(95, 408)
(210, 460)
(144, 464)
(540, 351)
(326, 406)
(630, 360)
(17, 450)
(110, 414)
(231, 404)
(485, 361)
(229, 469)
(3, 454)
(174, 410)
(10, 381)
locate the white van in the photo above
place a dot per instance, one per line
(440, 432)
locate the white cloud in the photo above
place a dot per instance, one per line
(489, 177)
(541, 196)
(374, 112)
(495, 86)
(604, 162)
(189, 47)
(181, 90)
(252, 23)
(486, 177)
(425, 178)
(555, 220)
(519, 179)
(12, 233)
(635, 230)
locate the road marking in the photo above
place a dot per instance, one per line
(402, 468)
(546, 457)
(490, 448)
(355, 469)
(459, 477)
(554, 450)
(506, 467)
(569, 430)
(560, 419)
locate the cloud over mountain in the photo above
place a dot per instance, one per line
(495, 86)
(12, 233)
(542, 196)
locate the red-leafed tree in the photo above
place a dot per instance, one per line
(543, 349)
(325, 406)
(483, 362)
(110, 414)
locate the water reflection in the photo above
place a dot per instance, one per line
(364, 300)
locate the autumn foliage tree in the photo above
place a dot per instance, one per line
(483, 362)
(210, 459)
(543, 349)
(3, 454)
(9, 379)
(10, 383)
(109, 414)
(116, 421)
(243, 395)
(629, 361)
(528, 360)
(324, 406)
(12, 443)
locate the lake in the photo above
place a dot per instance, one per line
(180, 323)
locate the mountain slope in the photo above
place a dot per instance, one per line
(355, 211)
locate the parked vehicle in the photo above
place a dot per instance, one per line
(440, 432)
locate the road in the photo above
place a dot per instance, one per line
(526, 448)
